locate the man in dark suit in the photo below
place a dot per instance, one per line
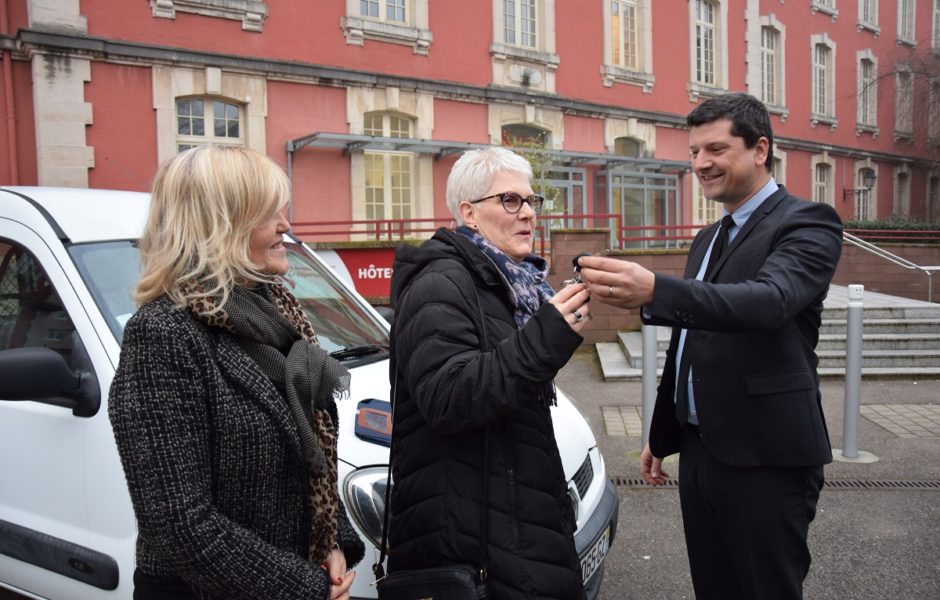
(739, 396)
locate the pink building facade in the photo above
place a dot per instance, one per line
(367, 103)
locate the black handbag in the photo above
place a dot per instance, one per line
(449, 582)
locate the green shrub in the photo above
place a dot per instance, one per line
(894, 223)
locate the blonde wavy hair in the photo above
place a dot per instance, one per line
(204, 205)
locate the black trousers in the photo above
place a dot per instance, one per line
(745, 527)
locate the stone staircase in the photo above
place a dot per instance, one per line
(900, 338)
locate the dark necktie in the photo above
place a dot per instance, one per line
(720, 244)
(682, 382)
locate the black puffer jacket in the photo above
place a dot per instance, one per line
(448, 392)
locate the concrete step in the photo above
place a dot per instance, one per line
(879, 326)
(901, 337)
(883, 358)
(882, 341)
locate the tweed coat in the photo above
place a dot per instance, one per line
(448, 391)
(213, 464)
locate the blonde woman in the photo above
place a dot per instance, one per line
(223, 403)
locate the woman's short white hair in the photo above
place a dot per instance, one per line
(472, 174)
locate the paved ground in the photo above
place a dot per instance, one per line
(877, 530)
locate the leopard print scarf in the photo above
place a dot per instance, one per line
(271, 326)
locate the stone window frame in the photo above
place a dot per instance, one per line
(517, 66)
(815, 162)
(251, 13)
(171, 83)
(829, 117)
(418, 107)
(415, 32)
(902, 38)
(694, 88)
(643, 75)
(872, 194)
(868, 24)
(871, 126)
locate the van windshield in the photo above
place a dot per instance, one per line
(343, 324)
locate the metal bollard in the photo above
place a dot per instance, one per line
(853, 371)
(650, 360)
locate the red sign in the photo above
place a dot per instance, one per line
(368, 269)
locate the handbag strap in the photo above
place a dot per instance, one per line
(377, 568)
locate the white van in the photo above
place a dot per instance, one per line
(68, 262)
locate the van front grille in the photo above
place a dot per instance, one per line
(585, 475)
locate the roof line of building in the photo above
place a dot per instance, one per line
(36, 41)
(32, 40)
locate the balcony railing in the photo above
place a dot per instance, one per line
(665, 236)
(622, 236)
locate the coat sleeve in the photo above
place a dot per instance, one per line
(779, 270)
(159, 414)
(456, 386)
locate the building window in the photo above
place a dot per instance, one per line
(625, 34)
(389, 175)
(903, 111)
(523, 48)
(825, 6)
(867, 92)
(708, 60)
(627, 146)
(704, 211)
(395, 21)
(823, 107)
(822, 183)
(868, 14)
(902, 192)
(201, 121)
(906, 10)
(864, 195)
(526, 136)
(627, 28)
(777, 171)
(519, 23)
(705, 42)
(770, 65)
(392, 11)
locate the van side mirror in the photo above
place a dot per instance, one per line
(41, 374)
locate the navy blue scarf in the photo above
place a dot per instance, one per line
(526, 278)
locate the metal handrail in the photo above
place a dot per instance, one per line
(894, 258)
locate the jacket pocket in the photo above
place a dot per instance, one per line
(776, 383)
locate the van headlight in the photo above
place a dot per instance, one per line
(364, 494)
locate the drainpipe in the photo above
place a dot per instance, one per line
(10, 108)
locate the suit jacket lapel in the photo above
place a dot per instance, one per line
(697, 251)
(766, 207)
(244, 373)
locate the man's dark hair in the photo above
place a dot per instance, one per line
(748, 116)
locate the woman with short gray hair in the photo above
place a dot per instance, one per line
(477, 340)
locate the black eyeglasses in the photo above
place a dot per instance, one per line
(513, 202)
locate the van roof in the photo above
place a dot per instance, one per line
(88, 215)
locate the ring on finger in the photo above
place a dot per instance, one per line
(610, 291)
(578, 317)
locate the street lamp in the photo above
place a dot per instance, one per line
(868, 180)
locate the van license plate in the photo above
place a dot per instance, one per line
(594, 557)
